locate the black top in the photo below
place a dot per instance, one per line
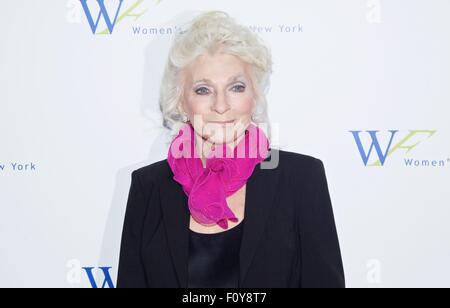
(289, 239)
(214, 259)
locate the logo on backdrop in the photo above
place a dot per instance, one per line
(106, 280)
(111, 12)
(98, 277)
(374, 154)
(102, 17)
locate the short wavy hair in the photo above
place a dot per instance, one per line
(210, 32)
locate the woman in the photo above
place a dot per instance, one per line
(225, 209)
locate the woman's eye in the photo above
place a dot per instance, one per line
(202, 91)
(239, 88)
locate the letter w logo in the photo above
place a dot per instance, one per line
(106, 282)
(382, 155)
(373, 134)
(103, 12)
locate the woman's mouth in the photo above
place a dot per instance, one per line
(221, 122)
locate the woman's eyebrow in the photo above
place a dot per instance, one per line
(230, 80)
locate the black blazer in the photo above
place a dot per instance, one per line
(289, 239)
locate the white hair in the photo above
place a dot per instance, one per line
(210, 32)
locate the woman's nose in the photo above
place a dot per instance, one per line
(220, 105)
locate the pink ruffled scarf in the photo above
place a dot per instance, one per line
(226, 172)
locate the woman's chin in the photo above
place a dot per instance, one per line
(220, 140)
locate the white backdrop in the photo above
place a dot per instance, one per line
(79, 111)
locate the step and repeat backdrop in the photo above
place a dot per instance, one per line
(364, 85)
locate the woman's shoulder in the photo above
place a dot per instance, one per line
(300, 169)
(296, 158)
(295, 162)
(154, 172)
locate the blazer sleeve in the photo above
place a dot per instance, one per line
(131, 273)
(321, 257)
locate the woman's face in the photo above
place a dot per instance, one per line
(219, 97)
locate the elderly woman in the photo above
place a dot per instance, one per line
(225, 209)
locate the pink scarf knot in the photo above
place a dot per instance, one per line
(208, 188)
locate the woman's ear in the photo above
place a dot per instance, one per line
(184, 115)
(255, 104)
(180, 108)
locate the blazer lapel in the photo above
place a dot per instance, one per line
(176, 221)
(260, 192)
